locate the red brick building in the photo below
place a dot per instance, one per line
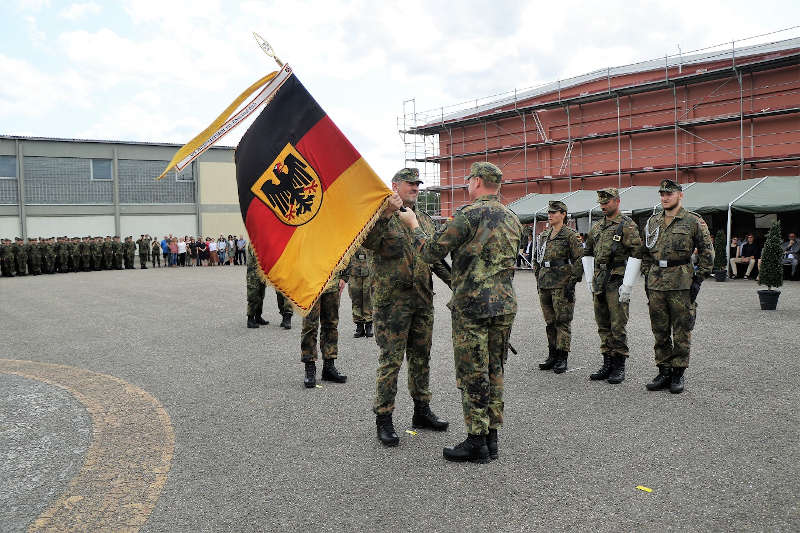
(712, 116)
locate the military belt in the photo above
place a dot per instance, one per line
(615, 264)
(556, 263)
(663, 263)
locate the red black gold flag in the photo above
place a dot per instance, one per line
(307, 196)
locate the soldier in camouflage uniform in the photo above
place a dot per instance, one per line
(286, 310)
(155, 249)
(34, 256)
(255, 292)
(144, 251)
(402, 297)
(483, 238)
(558, 268)
(324, 316)
(360, 287)
(6, 258)
(48, 256)
(63, 255)
(86, 254)
(128, 252)
(672, 283)
(20, 257)
(116, 253)
(612, 260)
(96, 252)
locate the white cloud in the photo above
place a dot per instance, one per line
(79, 10)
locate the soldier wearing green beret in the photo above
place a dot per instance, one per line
(558, 268)
(483, 239)
(402, 300)
(672, 284)
(612, 262)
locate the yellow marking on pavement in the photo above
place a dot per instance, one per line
(641, 487)
(410, 432)
(128, 458)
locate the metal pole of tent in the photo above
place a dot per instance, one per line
(728, 243)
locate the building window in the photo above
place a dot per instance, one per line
(185, 174)
(8, 167)
(101, 170)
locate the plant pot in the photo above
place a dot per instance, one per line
(768, 299)
(720, 275)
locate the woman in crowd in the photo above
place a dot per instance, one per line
(222, 246)
(192, 252)
(182, 252)
(202, 251)
(173, 252)
(212, 252)
(231, 250)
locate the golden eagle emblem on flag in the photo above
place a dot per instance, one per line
(290, 187)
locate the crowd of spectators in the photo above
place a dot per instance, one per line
(748, 251)
(191, 251)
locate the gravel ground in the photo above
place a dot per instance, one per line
(256, 451)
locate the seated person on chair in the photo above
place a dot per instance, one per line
(750, 251)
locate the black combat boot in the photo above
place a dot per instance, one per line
(662, 380)
(385, 429)
(676, 387)
(561, 362)
(491, 443)
(550, 362)
(261, 321)
(359, 330)
(474, 450)
(368, 330)
(252, 322)
(286, 322)
(310, 380)
(330, 373)
(425, 418)
(617, 374)
(604, 371)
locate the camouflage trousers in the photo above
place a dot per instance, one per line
(22, 263)
(255, 294)
(672, 316)
(325, 317)
(557, 310)
(480, 348)
(48, 264)
(612, 317)
(284, 305)
(35, 265)
(75, 261)
(143, 259)
(7, 265)
(402, 329)
(360, 295)
(156, 258)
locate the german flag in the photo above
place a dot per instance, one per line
(307, 196)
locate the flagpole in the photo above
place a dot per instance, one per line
(267, 48)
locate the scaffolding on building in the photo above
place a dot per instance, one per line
(421, 131)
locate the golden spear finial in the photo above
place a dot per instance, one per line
(265, 46)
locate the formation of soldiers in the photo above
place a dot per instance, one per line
(53, 255)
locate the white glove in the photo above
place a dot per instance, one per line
(632, 271)
(625, 293)
(588, 271)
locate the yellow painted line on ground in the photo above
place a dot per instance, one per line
(128, 458)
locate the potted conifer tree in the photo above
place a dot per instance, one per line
(771, 269)
(720, 258)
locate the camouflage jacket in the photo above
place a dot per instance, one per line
(483, 238)
(600, 239)
(564, 246)
(34, 251)
(49, 250)
(676, 242)
(144, 246)
(116, 247)
(5, 252)
(361, 263)
(398, 270)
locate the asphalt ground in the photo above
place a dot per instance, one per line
(255, 451)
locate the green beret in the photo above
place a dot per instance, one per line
(667, 185)
(604, 195)
(487, 171)
(556, 205)
(410, 175)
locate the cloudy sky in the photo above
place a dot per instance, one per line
(161, 70)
